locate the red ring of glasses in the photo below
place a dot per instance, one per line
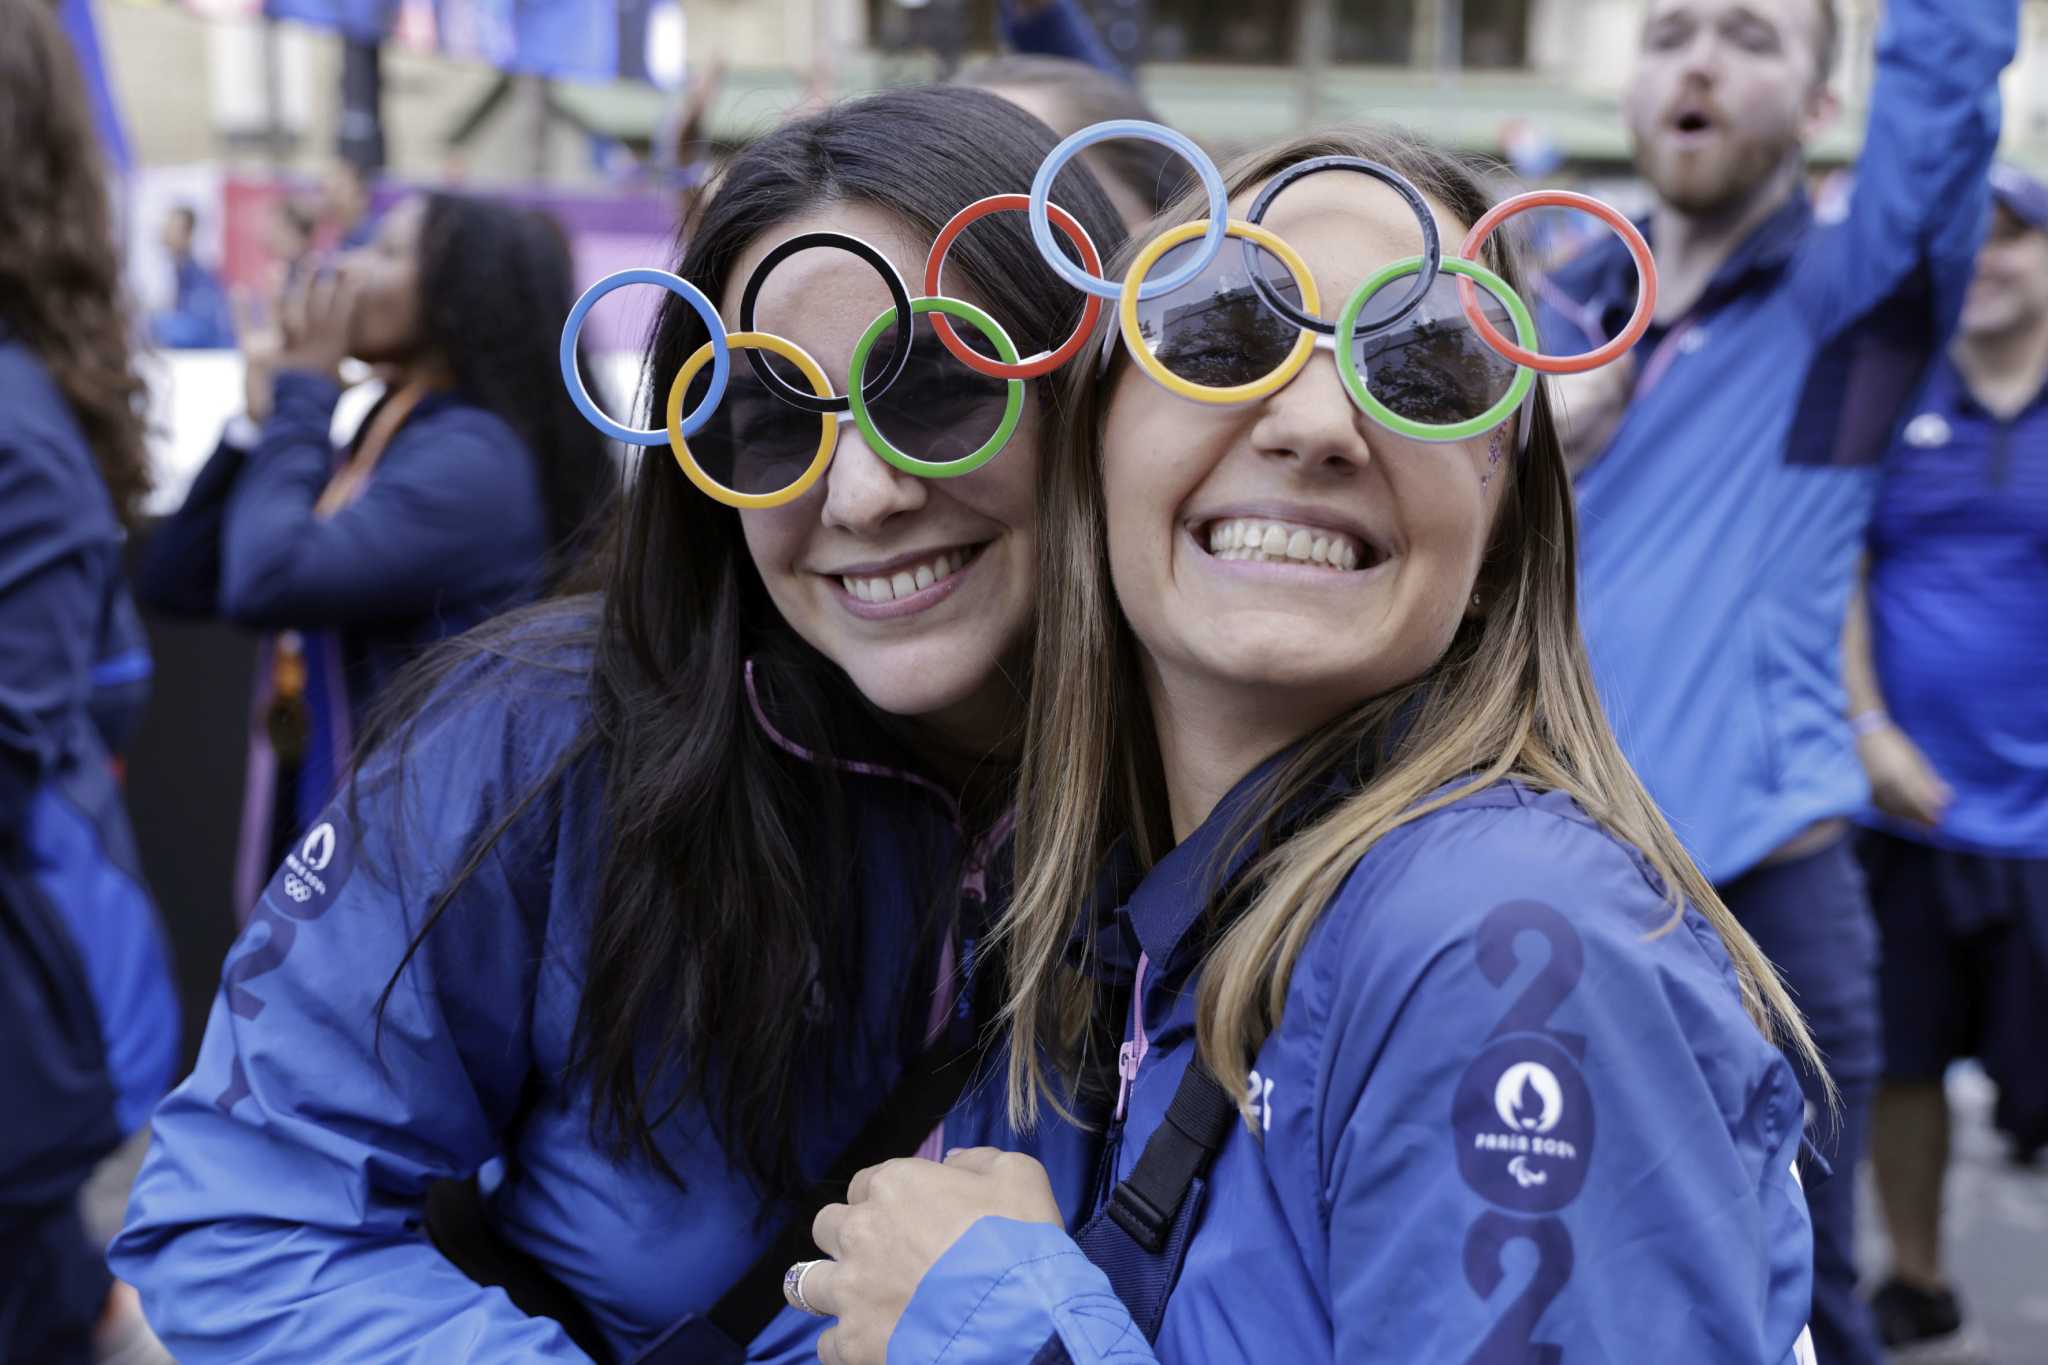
(1646, 282)
(936, 263)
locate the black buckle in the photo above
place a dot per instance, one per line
(1139, 1217)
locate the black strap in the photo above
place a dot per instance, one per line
(923, 1096)
(1179, 1151)
(1141, 1236)
(460, 1231)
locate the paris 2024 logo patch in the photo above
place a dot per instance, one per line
(1524, 1125)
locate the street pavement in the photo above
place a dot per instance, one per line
(1997, 1238)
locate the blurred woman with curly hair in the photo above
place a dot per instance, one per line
(86, 1004)
(470, 488)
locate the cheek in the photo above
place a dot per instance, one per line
(391, 305)
(1005, 490)
(1446, 497)
(1768, 104)
(1139, 492)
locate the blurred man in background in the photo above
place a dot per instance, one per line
(1946, 655)
(198, 318)
(345, 221)
(1726, 479)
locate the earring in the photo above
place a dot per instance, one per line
(1475, 602)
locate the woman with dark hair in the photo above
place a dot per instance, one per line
(649, 907)
(87, 1012)
(470, 487)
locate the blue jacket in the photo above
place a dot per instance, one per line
(200, 318)
(1958, 593)
(277, 1215)
(1721, 527)
(1059, 29)
(1496, 1033)
(74, 673)
(450, 529)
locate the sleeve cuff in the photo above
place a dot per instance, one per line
(1006, 1289)
(300, 386)
(242, 433)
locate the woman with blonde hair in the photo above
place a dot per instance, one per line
(1416, 972)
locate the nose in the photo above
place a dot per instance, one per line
(1699, 62)
(1313, 422)
(862, 490)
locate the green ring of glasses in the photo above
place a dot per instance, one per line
(1013, 409)
(1354, 380)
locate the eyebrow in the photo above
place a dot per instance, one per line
(1744, 14)
(1686, 13)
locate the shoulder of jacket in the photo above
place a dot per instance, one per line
(513, 696)
(460, 417)
(1430, 883)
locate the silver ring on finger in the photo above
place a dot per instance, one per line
(793, 1288)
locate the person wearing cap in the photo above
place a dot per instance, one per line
(1944, 655)
(1726, 477)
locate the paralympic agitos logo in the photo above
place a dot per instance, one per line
(1523, 1122)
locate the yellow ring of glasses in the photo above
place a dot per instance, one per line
(1127, 314)
(828, 437)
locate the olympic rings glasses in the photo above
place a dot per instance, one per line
(1421, 346)
(761, 433)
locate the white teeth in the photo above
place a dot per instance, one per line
(904, 582)
(1235, 539)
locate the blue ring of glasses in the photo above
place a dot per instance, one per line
(721, 355)
(1179, 143)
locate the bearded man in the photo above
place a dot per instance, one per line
(1727, 470)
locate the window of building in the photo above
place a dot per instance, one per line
(1496, 33)
(1374, 32)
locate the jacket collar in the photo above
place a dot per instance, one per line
(1163, 907)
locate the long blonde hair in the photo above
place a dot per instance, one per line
(1512, 697)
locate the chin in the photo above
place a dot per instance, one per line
(910, 686)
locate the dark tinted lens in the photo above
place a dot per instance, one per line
(754, 442)
(938, 409)
(1432, 366)
(1216, 330)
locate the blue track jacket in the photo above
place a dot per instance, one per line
(450, 529)
(1721, 527)
(74, 673)
(1503, 1120)
(277, 1216)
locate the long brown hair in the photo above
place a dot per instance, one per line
(60, 275)
(1512, 698)
(730, 880)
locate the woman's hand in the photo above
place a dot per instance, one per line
(898, 1219)
(260, 340)
(316, 314)
(1903, 784)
